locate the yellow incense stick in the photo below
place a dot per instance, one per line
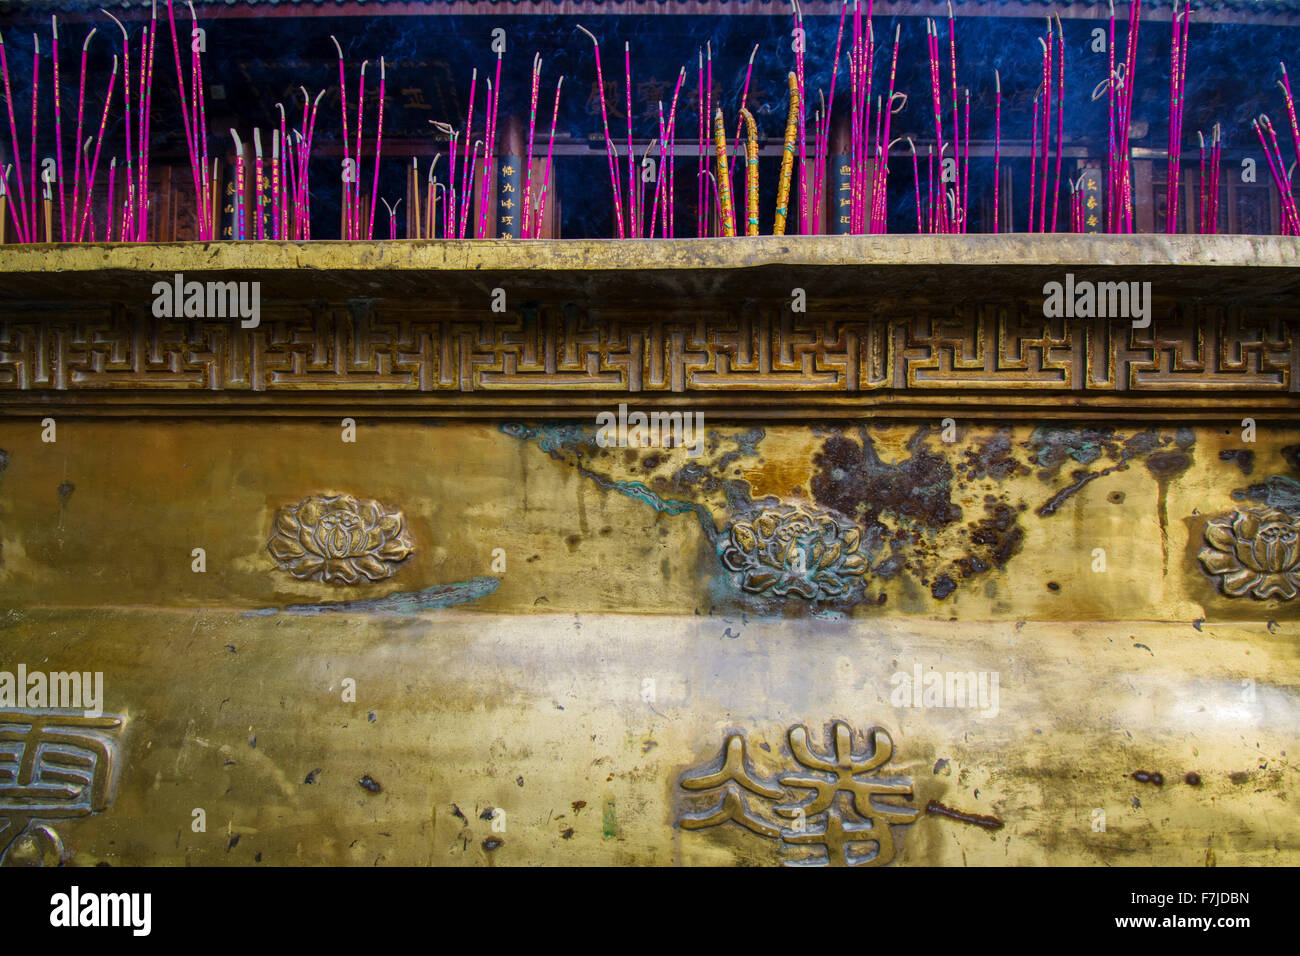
(724, 180)
(787, 158)
(751, 174)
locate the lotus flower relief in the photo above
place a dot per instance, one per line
(339, 540)
(792, 550)
(1255, 552)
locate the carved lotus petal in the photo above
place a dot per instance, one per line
(339, 539)
(792, 550)
(1254, 552)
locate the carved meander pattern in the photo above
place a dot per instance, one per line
(549, 348)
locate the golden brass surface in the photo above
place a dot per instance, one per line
(935, 580)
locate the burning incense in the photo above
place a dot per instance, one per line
(4, 201)
(751, 174)
(609, 146)
(787, 157)
(723, 184)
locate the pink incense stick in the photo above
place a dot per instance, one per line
(259, 185)
(146, 114)
(997, 144)
(99, 142)
(670, 220)
(185, 114)
(379, 142)
(744, 98)
(805, 226)
(708, 125)
(58, 133)
(609, 145)
(472, 171)
(916, 184)
(1047, 126)
(1060, 116)
(20, 216)
(952, 54)
(31, 172)
(76, 150)
(1285, 83)
(108, 219)
(526, 223)
(465, 181)
(546, 173)
(201, 149)
(1033, 160)
(632, 178)
(699, 148)
(126, 94)
(343, 101)
(355, 190)
(489, 147)
(819, 175)
(1110, 120)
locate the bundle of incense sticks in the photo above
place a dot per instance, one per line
(1285, 84)
(1119, 178)
(1277, 169)
(1177, 84)
(1051, 89)
(195, 121)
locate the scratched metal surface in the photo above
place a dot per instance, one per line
(650, 611)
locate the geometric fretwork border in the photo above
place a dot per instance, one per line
(541, 349)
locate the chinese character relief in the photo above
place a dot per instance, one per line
(841, 817)
(339, 540)
(792, 550)
(1254, 552)
(53, 766)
